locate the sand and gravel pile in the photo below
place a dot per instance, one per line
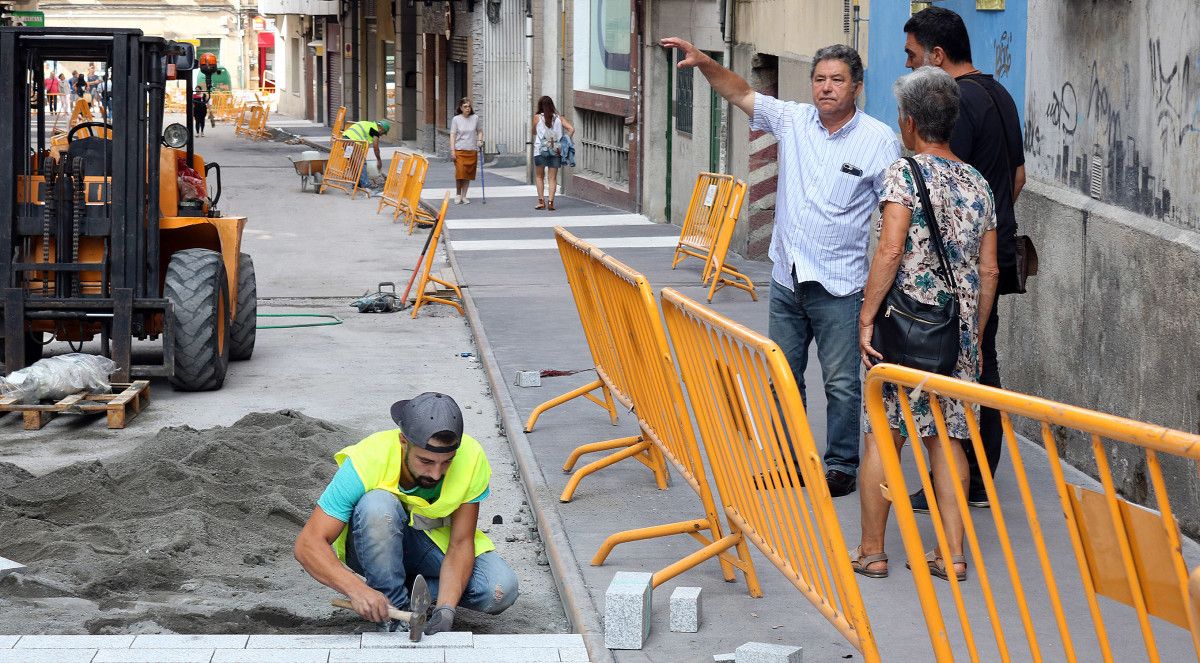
(189, 523)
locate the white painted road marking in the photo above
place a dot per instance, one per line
(545, 220)
(660, 241)
(523, 190)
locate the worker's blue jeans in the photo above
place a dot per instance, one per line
(387, 552)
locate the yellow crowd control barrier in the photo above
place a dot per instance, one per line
(575, 254)
(339, 123)
(410, 202)
(747, 407)
(241, 123)
(718, 272)
(257, 126)
(393, 187)
(342, 171)
(427, 268)
(1119, 550)
(705, 214)
(631, 314)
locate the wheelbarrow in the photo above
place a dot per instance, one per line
(310, 166)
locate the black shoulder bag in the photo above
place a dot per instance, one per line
(912, 333)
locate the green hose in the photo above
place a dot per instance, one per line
(335, 321)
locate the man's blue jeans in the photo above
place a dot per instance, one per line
(808, 312)
(387, 552)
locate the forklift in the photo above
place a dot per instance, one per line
(111, 229)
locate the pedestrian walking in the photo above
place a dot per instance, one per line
(200, 101)
(987, 136)
(466, 137)
(832, 157)
(548, 128)
(937, 244)
(78, 86)
(51, 84)
(63, 93)
(92, 82)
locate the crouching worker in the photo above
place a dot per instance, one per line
(406, 502)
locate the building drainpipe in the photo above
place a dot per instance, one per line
(354, 55)
(641, 29)
(670, 127)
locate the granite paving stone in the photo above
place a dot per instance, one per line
(46, 655)
(573, 655)
(399, 640)
(304, 642)
(271, 656)
(505, 655)
(153, 656)
(387, 655)
(178, 641)
(549, 640)
(7, 641)
(74, 642)
(685, 610)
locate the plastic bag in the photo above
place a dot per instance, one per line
(54, 378)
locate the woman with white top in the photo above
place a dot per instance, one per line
(548, 128)
(466, 137)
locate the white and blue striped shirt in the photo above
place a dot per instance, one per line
(823, 212)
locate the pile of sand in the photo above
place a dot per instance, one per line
(189, 524)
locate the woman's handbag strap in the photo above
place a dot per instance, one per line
(935, 232)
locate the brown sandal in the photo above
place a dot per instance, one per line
(938, 568)
(550, 205)
(541, 204)
(862, 563)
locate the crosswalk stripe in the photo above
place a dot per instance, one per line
(496, 192)
(548, 221)
(660, 241)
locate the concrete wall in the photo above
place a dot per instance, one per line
(1117, 116)
(998, 45)
(501, 79)
(291, 96)
(790, 27)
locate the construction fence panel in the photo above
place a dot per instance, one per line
(719, 273)
(575, 254)
(393, 186)
(759, 445)
(427, 276)
(705, 214)
(1089, 544)
(342, 171)
(257, 128)
(631, 315)
(339, 123)
(414, 184)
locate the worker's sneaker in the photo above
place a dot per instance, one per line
(466, 200)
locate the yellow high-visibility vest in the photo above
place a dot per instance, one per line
(378, 460)
(361, 131)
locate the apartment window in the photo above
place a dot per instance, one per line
(683, 97)
(608, 59)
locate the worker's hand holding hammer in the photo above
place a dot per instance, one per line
(371, 604)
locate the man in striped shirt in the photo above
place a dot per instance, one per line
(832, 157)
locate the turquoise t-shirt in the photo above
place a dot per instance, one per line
(346, 489)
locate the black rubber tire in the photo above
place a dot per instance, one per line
(241, 334)
(33, 349)
(199, 294)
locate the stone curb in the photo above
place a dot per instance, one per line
(581, 612)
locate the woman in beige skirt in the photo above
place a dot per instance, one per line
(466, 137)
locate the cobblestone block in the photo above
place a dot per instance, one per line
(504, 655)
(304, 642)
(546, 640)
(398, 640)
(74, 642)
(46, 655)
(153, 656)
(271, 656)
(685, 610)
(627, 605)
(174, 641)
(762, 652)
(383, 655)
(574, 655)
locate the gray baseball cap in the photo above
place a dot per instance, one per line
(426, 415)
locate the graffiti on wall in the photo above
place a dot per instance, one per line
(1118, 130)
(1003, 48)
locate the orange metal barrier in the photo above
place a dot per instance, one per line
(410, 202)
(427, 267)
(339, 123)
(575, 254)
(721, 274)
(747, 407)
(1121, 551)
(342, 171)
(241, 123)
(257, 128)
(706, 212)
(631, 314)
(393, 187)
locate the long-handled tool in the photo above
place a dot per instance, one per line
(482, 177)
(417, 268)
(417, 614)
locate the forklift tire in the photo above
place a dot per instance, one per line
(199, 295)
(33, 349)
(241, 336)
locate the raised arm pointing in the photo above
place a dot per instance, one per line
(726, 83)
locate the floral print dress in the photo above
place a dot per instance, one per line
(962, 201)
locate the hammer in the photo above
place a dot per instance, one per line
(418, 602)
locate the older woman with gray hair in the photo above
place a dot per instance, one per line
(907, 258)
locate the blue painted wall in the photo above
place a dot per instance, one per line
(997, 48)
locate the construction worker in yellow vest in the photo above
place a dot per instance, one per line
(368, 131)
(405, 502)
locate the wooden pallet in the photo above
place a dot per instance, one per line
(123, 404)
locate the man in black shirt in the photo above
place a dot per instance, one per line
(986, 135)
